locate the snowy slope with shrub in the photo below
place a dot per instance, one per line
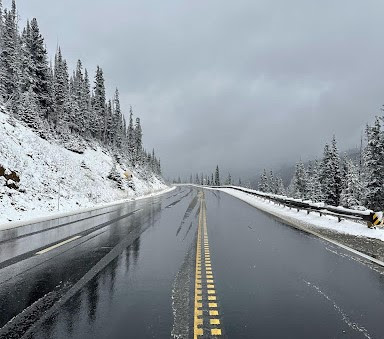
(34, 172)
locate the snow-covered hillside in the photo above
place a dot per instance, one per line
(39, 177)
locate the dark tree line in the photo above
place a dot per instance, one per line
(62, 105)
(213, 179)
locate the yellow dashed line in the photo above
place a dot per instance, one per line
(198, 331)
(198, 321)
(207, 284)
(216, 331)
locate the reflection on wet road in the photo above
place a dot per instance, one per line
(189, 263)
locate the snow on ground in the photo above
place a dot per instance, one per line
(312, 219)
(48, 170)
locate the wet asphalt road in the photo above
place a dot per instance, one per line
(136, 277)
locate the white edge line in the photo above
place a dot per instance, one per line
(58, 245)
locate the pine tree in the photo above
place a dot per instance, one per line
(263, 182)
(99, 105)
(229, 180)
(87, 110)
(217, 176)
(61, 91)
(1, 19)
(27, 68)
(280, 189)
(9, 60)
(272, 183)
(373, 167)
(315, 192)
(110, 132)
(131, 135)
(330, 174)
(299, 185)
(351, 193)
(79, 100)
(138, 142)
(118, 120)
(41, 83)
(29, 110)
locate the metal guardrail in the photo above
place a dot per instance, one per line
(370, 218)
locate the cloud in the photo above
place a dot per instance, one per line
(244, 84)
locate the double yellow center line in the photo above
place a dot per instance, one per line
(205, 292)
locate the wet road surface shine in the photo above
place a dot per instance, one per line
(197, 264)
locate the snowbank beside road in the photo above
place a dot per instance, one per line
(48, 178)
(302, 218)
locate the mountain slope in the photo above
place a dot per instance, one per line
(39, 177)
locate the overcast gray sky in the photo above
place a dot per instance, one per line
(244, 84)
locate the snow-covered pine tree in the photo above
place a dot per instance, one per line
(153, 161)
(229, 180)
(74, 110)
(62, 104)
(27, 67)
(351, 193)
(109, 128)
(131, 135)
(118, 121)
(79, 100)
(138, 143)
(280, 189)
(272, 183)
(299, 184)
(87, 112)
(1, 20)
(99, 106)
(373, 167)
(9, 60)
(197, 180)
(217, 176)
(343, 172)
(41, 84)
(314, 185)
(330, 174)
(29, 110)
(264, 182)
